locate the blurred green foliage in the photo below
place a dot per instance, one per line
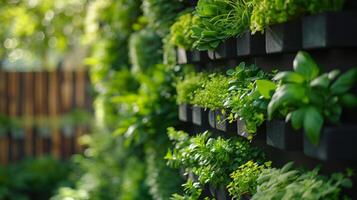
(33, 178)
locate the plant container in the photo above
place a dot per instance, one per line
(211, 55)
(251, 45)
(185, 113)
(223, 124)
(199, 56)
(284, 37)
(336, 143)
(200, 117)
(282, 135)
(330, 29)
(227, 49)
(219, 193)
(212, 118)
(183, 56)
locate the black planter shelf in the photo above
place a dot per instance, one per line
(326, 30)
(336, 143)
(282, 136)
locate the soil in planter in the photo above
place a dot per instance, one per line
(281, 135)
(336, 143)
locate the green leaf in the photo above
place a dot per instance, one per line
(289, 77)
(265, 88)
(322, 81)
(286, 94)
(306, 66)
(333, 74)
(297, 118)
(349, 100)
(345, 82)
(313, 122)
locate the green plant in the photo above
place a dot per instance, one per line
(248, 95)
(308, 99)
(144, 50)
(289, 184)
(211, 159)
(212, 93)
(193, 191)
(244, 179)
(161, 14)
(219, 20)
(269, 12)
(33, 178)
(187, 87)
(181, 31)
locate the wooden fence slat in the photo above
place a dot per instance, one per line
(29, 111)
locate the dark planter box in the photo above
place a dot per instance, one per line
(219, 193)
(223, 124)
(243, 132)
(211, 55)
(281, 135)
(199, 56)
(183, 56)
(212, 118)
(200, 117)
(227, 49)
(331, 29)
(285, 37)
(251, 45)
(336, 143)
(185, 113)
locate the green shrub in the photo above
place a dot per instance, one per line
(213, 92)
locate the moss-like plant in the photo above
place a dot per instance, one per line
(181, 31)
(269, 12)
(212, 93)
(244, 179)
(161, 14)
(187, 87)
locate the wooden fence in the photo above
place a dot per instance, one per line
(42, 94)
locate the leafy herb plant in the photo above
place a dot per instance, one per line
(308, 99)
(211, 159)
(244, 179)
(289, 184)
(248, 95)
(219, 20)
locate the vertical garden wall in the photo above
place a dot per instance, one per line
(219, 99)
